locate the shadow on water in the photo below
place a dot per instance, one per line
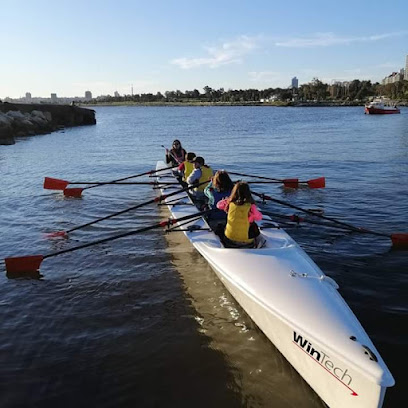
(24, 275)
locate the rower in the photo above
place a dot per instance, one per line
(241, 216)
(200, 174)
(186, 168)
(219, 188)
(176, 155)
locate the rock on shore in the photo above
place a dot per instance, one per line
(32, 119)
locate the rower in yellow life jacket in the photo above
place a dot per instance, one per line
(237, 223)
(241, 212)
(187, 167)
(200, 174)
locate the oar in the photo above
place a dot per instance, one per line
(125, 183)
(153, 200)
(172, 183)
(58, 184)
(76, 192)
(31, 263)
(291, 183)
(398, 239)
(295, 218)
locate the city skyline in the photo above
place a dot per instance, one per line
(71, 47)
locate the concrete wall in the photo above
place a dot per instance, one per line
(31, 119)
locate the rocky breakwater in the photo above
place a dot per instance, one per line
(32, 119)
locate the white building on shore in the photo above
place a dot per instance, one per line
(397, 76)
(406, 69)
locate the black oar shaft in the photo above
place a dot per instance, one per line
(263, 182)
(251, 175)
(122, 183)
(101, 241)
(294, 218)
(153, 200)
(126, 234)
(273, 180)
(351, 227)
(134, 176)
(114, 214)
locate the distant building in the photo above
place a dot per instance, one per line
(88, 95)
(28, 97)
(272, 98)
(54, 97)
(397, 76)
(116, 94)
(394, 77)
(406, 69)
(295, 83)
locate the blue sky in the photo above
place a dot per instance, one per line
(68, 47)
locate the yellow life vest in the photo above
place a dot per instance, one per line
(188, 169)
(237, 223)
(206, 174)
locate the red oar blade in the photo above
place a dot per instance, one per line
(296, 218)
(400, 240)
(57, 234)
(55, 184)
(73, 192)
(317, 183)
(291, 183)
(23, 264)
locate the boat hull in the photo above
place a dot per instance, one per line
(376, 111)
(300, 311)
(336, 383)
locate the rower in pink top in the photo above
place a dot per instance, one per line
(241, 215)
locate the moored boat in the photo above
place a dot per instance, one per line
(380, 106)
(297, 307)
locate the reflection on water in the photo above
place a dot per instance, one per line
(260, 373)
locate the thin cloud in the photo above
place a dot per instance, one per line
(264, 76)
(390, 65)
(225, 54)
(329, 39)
(330, 77)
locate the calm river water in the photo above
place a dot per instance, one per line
(143, 321)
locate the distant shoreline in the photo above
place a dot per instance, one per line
(266, 104)
(269, 104)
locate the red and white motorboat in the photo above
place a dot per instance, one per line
(379, 107)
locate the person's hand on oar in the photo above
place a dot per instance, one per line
(169, 152)
(399, 240)
(31, 263)
(158, 199)
(289, 183)
(58, 184)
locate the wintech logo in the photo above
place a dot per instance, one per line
(323, 359)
